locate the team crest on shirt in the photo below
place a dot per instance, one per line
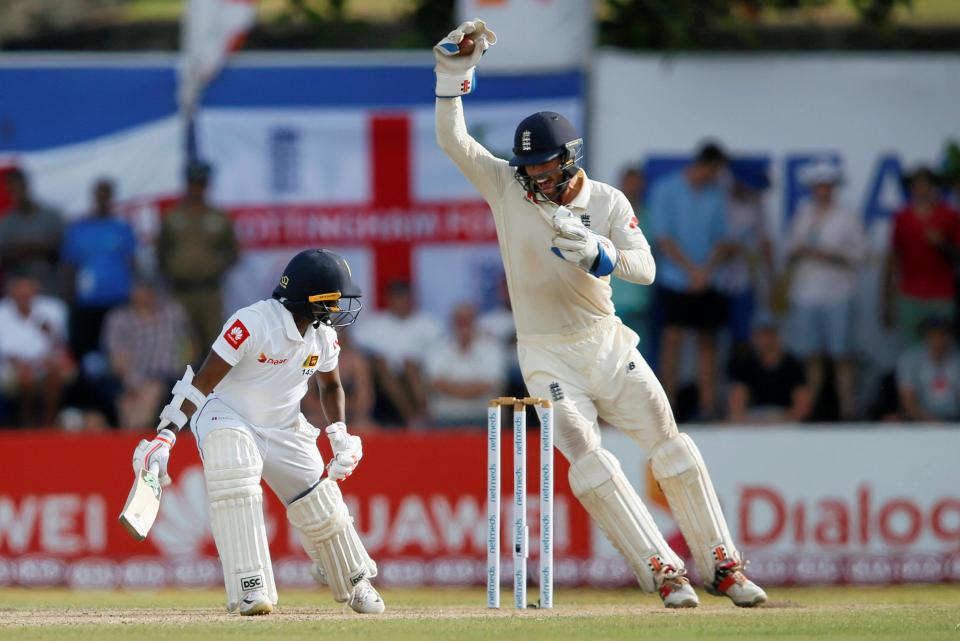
(311, 361)
(236, 334)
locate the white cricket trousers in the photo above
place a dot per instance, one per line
(596, 373)
(291, 461)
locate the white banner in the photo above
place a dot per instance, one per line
(535, 34)
(872, 505)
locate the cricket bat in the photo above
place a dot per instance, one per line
(142, 506)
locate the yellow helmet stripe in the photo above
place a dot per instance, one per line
(316, 298)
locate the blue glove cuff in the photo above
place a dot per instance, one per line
(604, 263)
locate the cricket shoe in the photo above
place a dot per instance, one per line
(254, 603)
(729, 580)
(365, 599)
(675, 589)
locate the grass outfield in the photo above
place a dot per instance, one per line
(912, 612)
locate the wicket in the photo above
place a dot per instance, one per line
(520, 529)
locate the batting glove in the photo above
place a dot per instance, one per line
(575, 243)
(154, 455)
(455, 73)
(347, 451)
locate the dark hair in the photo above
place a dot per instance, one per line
(711, 153)
(921, 172)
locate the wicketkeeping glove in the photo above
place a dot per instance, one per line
(347, 451)
(455, 73)
(154, 455)
(575, 243)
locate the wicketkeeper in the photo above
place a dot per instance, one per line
(244, 410)
(562, 237)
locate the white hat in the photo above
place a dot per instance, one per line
(821, 171)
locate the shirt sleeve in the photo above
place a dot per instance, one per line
(635, 262)
(242, 335)
(331, 351)
(856, 239)
(487, 172)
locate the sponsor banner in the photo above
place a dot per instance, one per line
(417, 500)
(807, 506)
(823, 506)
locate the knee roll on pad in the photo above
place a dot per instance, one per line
(683, 477)
(232, 466)
(598, 481)
(327, 533)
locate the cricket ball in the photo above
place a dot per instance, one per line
(467, 45)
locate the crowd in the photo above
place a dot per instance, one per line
(745, 324)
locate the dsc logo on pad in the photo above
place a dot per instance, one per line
(248, 583)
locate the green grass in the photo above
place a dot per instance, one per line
(930, 613)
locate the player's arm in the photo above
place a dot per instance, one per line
(635, 262)
(332, 398)
(455, 78)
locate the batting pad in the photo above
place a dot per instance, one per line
(682, 475)
(232, 466)
(598, 481)
(327, 533)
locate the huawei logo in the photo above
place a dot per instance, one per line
(236, 334)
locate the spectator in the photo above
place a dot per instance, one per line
(498, 323)
(398, 340)
(356, 376)
(919, 268)
(824, 247)
(741, 278)
(30, 235)
(148, 343)
(632, 301)
(98, 254)
(34, 362)
(195, 249)
(767, 385)
(928, 376)
(464, 372)
(688, 220)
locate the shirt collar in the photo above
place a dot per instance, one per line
(289, 325)
(583, 198)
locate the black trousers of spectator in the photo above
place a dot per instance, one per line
(85, 326)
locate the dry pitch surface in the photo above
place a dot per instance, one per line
(929, 613)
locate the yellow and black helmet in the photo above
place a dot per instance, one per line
(317, 284)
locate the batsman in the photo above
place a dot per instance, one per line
(243, 407)
(562, 237)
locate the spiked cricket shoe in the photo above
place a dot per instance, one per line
(675, 589)
(255, 603)
(730, 581)
(365, 599)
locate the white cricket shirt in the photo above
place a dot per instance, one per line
(272, 363)
(549, 295)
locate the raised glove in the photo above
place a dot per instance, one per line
(575, 243)
(154, 455)
(455, 72)
(347, 451)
